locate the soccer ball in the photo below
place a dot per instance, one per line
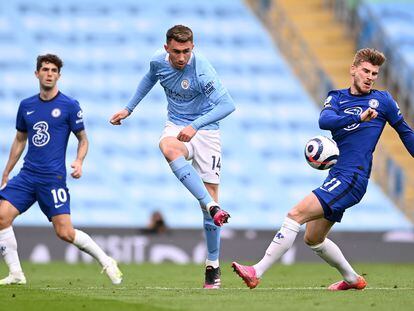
(321, 152)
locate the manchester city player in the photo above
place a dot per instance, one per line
(356, 118)
(45, 121)
(196, 102)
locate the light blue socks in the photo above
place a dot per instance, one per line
(186, 173)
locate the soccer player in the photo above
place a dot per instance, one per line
(196, 102)
(45, 120)
(356, 117)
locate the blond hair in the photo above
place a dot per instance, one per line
(371, 56)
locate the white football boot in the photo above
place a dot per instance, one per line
(14, 279)
(113, 272)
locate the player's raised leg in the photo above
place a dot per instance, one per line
(315, 238)
(176, 153)
(308, 209)
(65, 231)
(8, 244)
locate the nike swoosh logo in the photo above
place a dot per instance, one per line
(344, 101)
(58, 205)
(29, 112)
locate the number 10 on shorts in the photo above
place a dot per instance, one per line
(59, 197)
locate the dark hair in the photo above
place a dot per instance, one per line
(49, 58)
(180, 33)
(371, 56)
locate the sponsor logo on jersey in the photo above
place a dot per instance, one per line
(42, 136)
(355, 111)
(29, 112)
(56, 113)
(373, 103)
(209, 88)
(185, 84)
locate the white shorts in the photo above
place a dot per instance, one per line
(204, 149)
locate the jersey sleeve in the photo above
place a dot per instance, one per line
(393, 113)
(331, 101)
(209, 81)
(144, 86)
(20, 122)
(76, 118)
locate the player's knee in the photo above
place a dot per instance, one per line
(295, 214)
(170, 152)
(312, 240)
(66, 234)
(5, 221)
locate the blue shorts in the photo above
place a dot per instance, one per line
(50, 191)
(340, 191)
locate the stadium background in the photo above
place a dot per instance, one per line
(277, 58)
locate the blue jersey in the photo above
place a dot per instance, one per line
(48, 125)
(191, 92)
(357, 140)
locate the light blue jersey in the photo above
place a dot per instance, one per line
(195, 94)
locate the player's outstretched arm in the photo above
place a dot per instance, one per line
(83, 145)
(406, 134)
(16, 151)
(119, 116)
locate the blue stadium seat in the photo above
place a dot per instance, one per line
(106, 46)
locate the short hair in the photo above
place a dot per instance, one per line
(49, 58)
(371, 56)
(180, 33)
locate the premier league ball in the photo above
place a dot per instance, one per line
(321, 152)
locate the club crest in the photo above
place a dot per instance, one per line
(56, 113)
(185, 84)
(373, 103)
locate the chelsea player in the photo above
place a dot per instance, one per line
(196, 102)
(356, 118)
(45, 121)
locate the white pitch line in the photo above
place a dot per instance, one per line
(221, 289)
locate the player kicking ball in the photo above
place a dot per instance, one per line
(196, 102)
(45, 121)
(356, 118)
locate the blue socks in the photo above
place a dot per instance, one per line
(186, 173)
(212, 234)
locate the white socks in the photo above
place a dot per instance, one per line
(8, 248)
(85, 243)
(331, 253)
(214, 263)
(282, 241)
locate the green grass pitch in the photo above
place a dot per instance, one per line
(60, 286)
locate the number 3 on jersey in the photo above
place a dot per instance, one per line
(42, 136)
(59, 197)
